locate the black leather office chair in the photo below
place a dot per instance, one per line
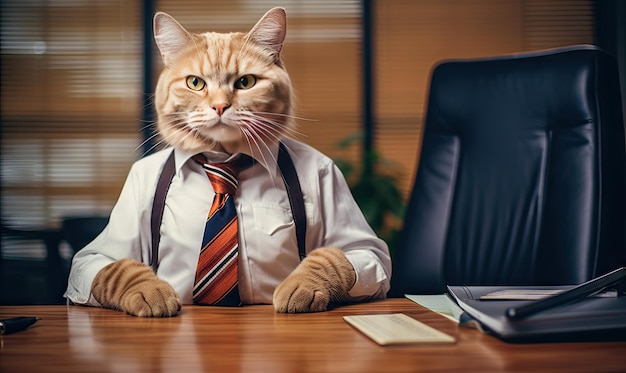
(521, 177)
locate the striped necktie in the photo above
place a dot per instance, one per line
(216, 274)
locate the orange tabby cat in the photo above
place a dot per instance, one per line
(228, 115)
(223, 94)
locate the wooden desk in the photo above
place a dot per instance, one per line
(255, 339)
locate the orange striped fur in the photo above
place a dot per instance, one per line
(132, 287)
(325, 275)
(196, 119)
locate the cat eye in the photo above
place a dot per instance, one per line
(195, 83)
(245, 82)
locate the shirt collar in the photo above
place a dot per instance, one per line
(265, 155)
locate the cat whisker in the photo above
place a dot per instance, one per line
(250, 136)
(144, 142)
(192, 133)
(257, 131)
(149, 102)
(280, 130)
(149, 138)
(257, 126)
(178, 121)
(149, 149)
(157, 144)
(294, 154)
(175, 132)
(267, 122)
(149, 124)
(278, 127)
(268, 131)
(260, 133)
(285, 115)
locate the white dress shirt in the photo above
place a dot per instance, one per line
(268, 250)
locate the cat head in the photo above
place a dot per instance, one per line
(225, 92)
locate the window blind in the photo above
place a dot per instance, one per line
(69, 111)
(71, 92)
(412, 36)
(555, 23)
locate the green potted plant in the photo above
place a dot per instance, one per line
(374, 185)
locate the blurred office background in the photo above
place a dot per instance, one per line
(77, 76)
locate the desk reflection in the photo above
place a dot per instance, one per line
(255, 338)
(145, 344)
(218, 341)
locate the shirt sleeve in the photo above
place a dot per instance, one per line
(119, 239)
(347, 229)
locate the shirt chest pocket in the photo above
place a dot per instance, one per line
(272, 220)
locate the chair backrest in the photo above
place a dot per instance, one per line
(521, 177)
(80, 230)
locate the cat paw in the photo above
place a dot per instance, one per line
(324, 275)
(299, 295)
(154, 298)
(132, 287)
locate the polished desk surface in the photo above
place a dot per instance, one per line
(256, 339)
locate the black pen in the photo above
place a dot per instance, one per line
(16, 324)
(578, 292)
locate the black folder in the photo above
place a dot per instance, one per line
(589, 317)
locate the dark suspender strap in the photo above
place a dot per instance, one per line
(292, 184)
(294, 192)
(158, 206)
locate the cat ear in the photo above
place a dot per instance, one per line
(170, 36)
(270, 31)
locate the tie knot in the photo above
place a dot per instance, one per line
(223, 176)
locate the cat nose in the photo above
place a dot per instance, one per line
(221, 108)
